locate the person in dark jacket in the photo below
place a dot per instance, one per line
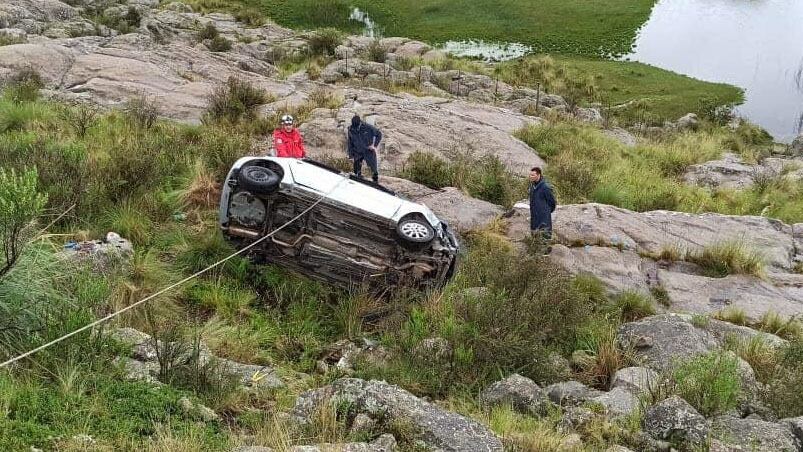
(363, 142)
(542, 204)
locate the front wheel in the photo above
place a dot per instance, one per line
(259, 180)
(415, 232)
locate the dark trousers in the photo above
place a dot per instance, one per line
(370, 159)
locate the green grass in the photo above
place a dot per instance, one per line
(586, 165)
(566, 26)
(710, 383)
(727, 258)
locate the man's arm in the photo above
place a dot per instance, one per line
(377, 137)
(550, 198)
(301, 145)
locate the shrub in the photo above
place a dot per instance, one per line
(141, 111)
(427, 169)
(323, 98)
(598, 342)
(209, 31)
(773, 323)
(728, 257)
(633, 305)
(79, 117)
(24, 86)
(219, 44)
(376, 52)
(732, 315)
(710, 383)
(7, 40)
(20, 205)
(234, 100)
(324, 41)
(783, 388)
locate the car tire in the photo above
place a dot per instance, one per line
(415, 232)
(259, 180)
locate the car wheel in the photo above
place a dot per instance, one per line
(415, 232)
(259, 180)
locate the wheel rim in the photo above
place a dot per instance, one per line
(415, 231)
(258, 174)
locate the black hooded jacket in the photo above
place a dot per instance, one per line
(361, 136)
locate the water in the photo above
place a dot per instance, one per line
(487, 51)
(369, 26)
(754, 44)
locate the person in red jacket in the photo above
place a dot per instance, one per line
(287, 141)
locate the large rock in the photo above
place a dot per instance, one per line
(618, 402)
(519, 392)
(676, 421)
(571, 393)
(731, 172)
(663, 340)
(796, 148)
(638, 380)
(796, 425)
(459, 210)
(620, 247)
(385, 443)
(427, 124)
(435, 427)
(755, 434)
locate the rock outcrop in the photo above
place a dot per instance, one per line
(755, 434)
(676, 421)
(519, 392)
(435, 427)
(731, 172)
(623, 249)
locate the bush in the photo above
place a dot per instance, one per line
(728, 257)
(20, 205)
(209, 31)
(141, 111)
(79, 117)
(24, 86)
(710, 383)
(234, 100)
(376, 52)
(427, 169)
(219, 44)
(324, 41)
(633, 305)
(732, 315)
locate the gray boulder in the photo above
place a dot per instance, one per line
(571, 393)
(638, 380)
(385, 443)
(618, 402)
(796, 148)
(622, 136)
(755, 434)
(199, 410)
(689, 121)
(435, 427)
(519, 392)
(676, 421)
(796, 425)
(662, 340)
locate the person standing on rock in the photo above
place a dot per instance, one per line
(287, 140)
(363, 142)
(542, 204)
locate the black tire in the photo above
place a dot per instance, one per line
(415, 232)
(259, 180)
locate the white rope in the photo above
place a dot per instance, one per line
(170, 287)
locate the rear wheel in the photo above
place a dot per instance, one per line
(259, 180)
(415, 232)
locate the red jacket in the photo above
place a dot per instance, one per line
(288, 144)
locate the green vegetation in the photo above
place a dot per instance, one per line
(732, 315)
(728, 257)
(20, 205)
(571, 27)
(710, 383)
(482, 177)
(324, 41)
(586, 165)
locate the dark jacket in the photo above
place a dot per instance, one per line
(542, 204)
(361, 137)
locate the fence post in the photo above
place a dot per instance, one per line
(537, 97)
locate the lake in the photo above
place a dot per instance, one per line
(754, 44)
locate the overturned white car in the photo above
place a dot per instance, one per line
(359, 233)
